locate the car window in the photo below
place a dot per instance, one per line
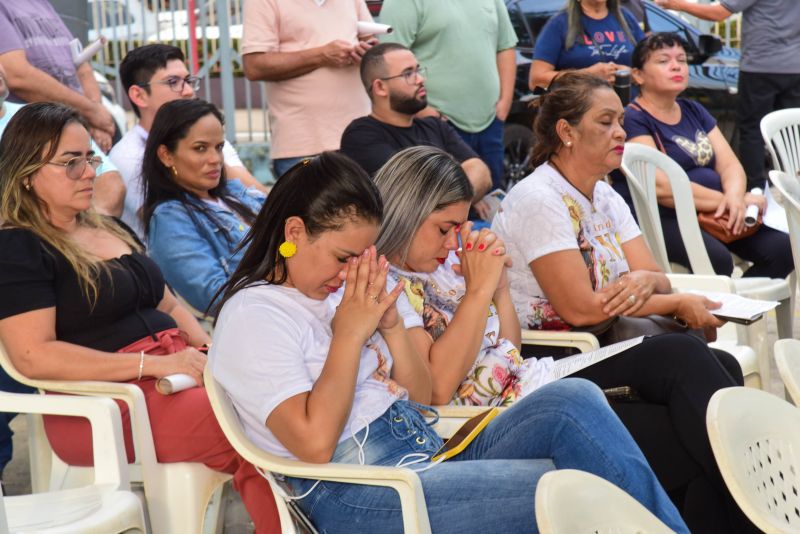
(661, 23)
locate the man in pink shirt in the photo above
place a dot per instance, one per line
(308, 52)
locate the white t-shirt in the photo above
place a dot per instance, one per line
(271, 342)
(543, 214)
(127, 155)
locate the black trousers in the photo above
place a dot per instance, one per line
(769, 250)
(759, 94)
(675, 375)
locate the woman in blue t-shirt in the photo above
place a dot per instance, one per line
(687, 133)
(597, 36)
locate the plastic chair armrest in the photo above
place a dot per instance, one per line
(582, 341)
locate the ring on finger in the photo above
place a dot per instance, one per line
(373, 297)
(632, 299)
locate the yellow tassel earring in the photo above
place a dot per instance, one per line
(287, 249)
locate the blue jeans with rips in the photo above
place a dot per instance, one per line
(490, 486)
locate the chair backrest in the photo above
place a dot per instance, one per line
(641, 174)
(789, 188)
(755, 437)
(635, 160)
(787, 359)
(570, 501)
(781, 132)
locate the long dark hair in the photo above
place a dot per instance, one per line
(171, 124)
(326, 192)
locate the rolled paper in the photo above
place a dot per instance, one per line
(372, 28)
(751, 213)
(174, 383)
(82, 55)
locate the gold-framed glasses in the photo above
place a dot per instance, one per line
(77, 165)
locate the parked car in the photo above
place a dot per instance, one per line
(713, 73)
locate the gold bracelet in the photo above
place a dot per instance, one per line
(141, 365)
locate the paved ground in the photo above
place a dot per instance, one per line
(16, 477)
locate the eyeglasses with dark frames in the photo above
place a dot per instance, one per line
(77, 165)
(176, 83)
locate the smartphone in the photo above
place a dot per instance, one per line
(622, 394)
(464, 435)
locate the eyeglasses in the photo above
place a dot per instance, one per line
(410, 76)
(176, 84)
(77, 165)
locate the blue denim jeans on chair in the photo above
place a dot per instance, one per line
(488, 144)
(6, 444)
(489, 487)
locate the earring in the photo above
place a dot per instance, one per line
(27, 186)
(568, 143)
(174, 171)
(287, 249)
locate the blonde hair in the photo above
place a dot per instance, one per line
(30, 140)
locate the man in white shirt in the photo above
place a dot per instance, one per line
(153, 75)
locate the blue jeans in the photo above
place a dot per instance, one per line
(488, 144)
(281, 165)
(489, 487)
(6, 444)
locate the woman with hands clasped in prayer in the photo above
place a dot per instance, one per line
(81, 301)
(323, 373)
(685, 131)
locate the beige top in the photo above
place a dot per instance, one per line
(308, 113)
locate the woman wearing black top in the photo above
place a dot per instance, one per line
(81, 302)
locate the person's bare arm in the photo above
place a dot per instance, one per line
(34, 85)
(479, 176)
(277, 66)
(565, 281)
(543, 73)
(509, 321)
(244, 176)
(195, 335)
(714, 12)
(109, 194)
(88, 82)
(30, 339)
(507, 69)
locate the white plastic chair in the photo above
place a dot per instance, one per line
(640, 163)
(179, 497)
(781, 132)
(403, 480)
(755, 437)
(789, 189)
(787, 359)
(105, 506)
(569, 501)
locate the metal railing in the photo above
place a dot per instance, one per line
(212, 53)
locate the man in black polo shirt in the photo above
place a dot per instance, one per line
(396, 85)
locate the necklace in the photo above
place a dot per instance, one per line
(564, 176)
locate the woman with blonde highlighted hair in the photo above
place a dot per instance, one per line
(81, 302)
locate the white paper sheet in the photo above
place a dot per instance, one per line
(573, 364)
(736, 305)
(174, 383)
(775, 216)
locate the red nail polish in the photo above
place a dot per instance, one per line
(481, 246)
(497, 251)
(469, 246)
(458, 228)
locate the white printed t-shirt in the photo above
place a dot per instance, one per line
(499, 374)
(270, 344)
(127, 155)
(543, 214)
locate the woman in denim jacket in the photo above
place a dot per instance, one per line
(194, 218)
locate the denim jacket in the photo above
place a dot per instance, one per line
(194, 254)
